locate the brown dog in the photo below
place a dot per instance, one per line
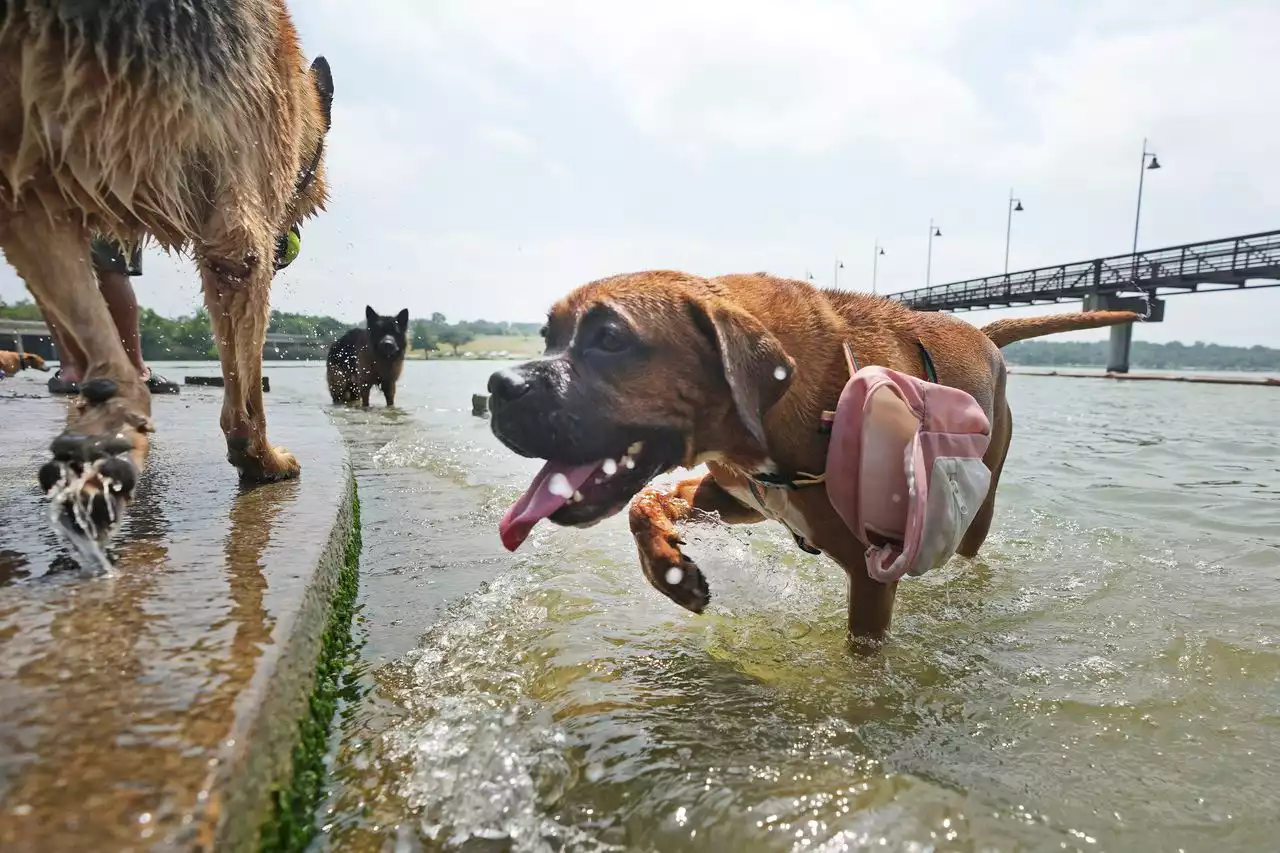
(196, 124)
(651, 371)
(11, 362)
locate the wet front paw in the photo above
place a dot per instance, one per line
(90, 482)
(672, 573)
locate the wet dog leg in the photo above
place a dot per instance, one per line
(997, 450)
(97, 459)
(237, 294)
(654, 516)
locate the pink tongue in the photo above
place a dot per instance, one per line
(539, 501)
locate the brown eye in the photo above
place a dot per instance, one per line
(610, 339)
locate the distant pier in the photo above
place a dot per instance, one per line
(1267, 381)
(1133, 282)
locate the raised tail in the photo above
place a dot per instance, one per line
(1005, 332)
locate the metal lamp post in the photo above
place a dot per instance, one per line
(1143, 168)
(875, 265)
(1014, 204)
(934, 231)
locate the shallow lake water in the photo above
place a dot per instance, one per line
(1105, 677)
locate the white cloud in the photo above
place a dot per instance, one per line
(800, 77)
(506, 139)
(487, 156)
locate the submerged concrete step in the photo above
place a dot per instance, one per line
(166, 706)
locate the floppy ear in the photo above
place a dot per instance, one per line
(322, 77)
(370, 316)
(402, 320)
(756, 367)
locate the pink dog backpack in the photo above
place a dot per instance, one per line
(904, 467)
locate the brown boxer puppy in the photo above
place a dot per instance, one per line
(651, 371)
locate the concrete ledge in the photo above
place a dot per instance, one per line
(180, 703)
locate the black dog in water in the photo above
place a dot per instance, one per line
(363, 358)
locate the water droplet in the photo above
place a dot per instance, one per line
(559, 486)
(674, 575)
(609, 467)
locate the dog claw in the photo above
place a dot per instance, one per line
(120, 473)
(99, 390)
(72, 447)
(50, 475)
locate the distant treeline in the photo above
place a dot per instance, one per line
(190, 338)
(1170, 356)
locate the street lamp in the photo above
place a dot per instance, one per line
(1014, 204)
(835, 274)
(875, 264)
(1142, 173)
(934, 231)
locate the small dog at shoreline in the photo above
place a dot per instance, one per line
(363, 358)
(11, 362)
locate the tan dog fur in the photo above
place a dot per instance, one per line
(715, 345)
(11, 362)
(113, 123)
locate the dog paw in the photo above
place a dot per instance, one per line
(95, 466)
(267, 466)
(89, 485)
(673, 574)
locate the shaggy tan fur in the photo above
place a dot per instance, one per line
(191, 122)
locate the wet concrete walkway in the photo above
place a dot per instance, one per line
(155, 708)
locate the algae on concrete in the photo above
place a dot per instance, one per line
(292, 824)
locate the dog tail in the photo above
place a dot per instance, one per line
(1005, 332)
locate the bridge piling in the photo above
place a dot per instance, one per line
(1122, 336)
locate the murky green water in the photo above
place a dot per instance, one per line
(1106, 677)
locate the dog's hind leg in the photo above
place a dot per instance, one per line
(654, 516)
(97, 459)
(236, 273)
(1001, 434)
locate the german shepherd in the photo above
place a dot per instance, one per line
(363, 358)
(196, 124)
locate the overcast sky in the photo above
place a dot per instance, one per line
(489, 155)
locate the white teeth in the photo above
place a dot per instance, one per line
(559, 486)
(674, 575)
(634, 450)
(609, 467)
(629, 462)
(577, 496)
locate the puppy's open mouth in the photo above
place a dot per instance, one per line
(581, 495)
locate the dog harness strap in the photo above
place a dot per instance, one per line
(802, 478)
(929, 372)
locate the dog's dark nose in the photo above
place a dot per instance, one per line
(387, 345)
(507, 385)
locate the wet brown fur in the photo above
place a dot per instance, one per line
(717, 341)
(11, 362)
(192, 136)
